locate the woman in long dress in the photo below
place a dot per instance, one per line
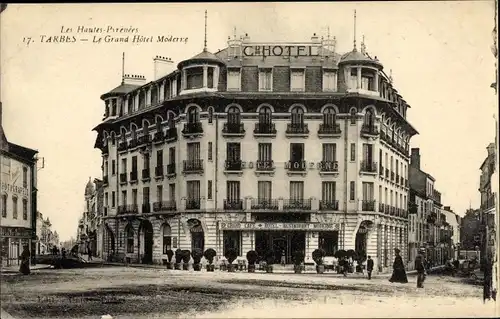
(25, 261)
(398, 272)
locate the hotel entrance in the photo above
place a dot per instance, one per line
(281, 242)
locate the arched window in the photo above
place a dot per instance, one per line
(170, 120)
(297, 116)
(353, 115)
(233, 115)
(265, 115)
(369, 118)
(4, 205)
(145, 128)
(167, 238)
(210, 114)
(129, 232)
(14, 207)
(158, 125)
(134, 133)
(193, 115)
(25, 209)
(113, 138)
(329, 117)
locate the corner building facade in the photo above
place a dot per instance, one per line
(257, 147)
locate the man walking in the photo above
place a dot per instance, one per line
(369, 267)
(420, 267)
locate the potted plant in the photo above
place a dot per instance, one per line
(317, 256)
(169, 254)
(209, 255)
(252, 257)
(270, 261)
(298, 259)
(231, 256)
(186, 256)
(178, 259)
(197, 254)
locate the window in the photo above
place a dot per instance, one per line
(233, 80)
(194, 78)
(171, 155)
(367, 191)
(106, 200)
(154, 94)
(134, 164)
(266, 80)
(265, 115)
(233, 115)
(129, 231)
(124, 198)
(124, 165)
(397, 168)
(367, 82)
(368, 153)
(353, 152)
(193, 190)
(329, 152)
(329, 117)
(209, 190)
(353, 115)
(14, 207)
(134, 197)
(210, 155)
(265, 152)
(193, 151)
(25, 177)
(167, 238)
(146, 161)
(25, 209)
(328, 191)
(113, 199)
(352, 195)
(296, 190)
(113, 167)
(210, 114)
(233, 152)
(159, 158)
(170, 120)
(193, 115)
(210, 77)
(233, 191)
(354, 79)
(4, 205)
(329, 80)
(171, 192)
(145, 195)
(297, 116)
(264, 190)
(159, 193)
(297, 81)
(369, 118)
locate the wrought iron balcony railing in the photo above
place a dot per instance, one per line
(192, 128)
(265, 128)
(329, 166)
(233, 165)
(233, 204)
(381, 207)
(297, 128)
(266, 165)
(193, 203)
(146, 174)
(296, 166)
(132, 143)
(133, 176)
(233, 128)
(171, 169)
(300, 204)
(368, 166)
(171, 135)
(330, 204)
(368, 205)
(190, 166)
(144, 139)
(267, 204)
(159, 137)
(123, 177)
(122, 146)
(128, 209)
(146, 208)
(159, 171)
(329, 129)
(168, 205)
(370, 130)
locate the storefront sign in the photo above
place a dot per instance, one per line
(280, 50)
(278, 226)
(18, 190)
(15, 232)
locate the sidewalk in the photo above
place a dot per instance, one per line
(15, 268)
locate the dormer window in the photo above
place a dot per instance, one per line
(298, 80)
(354, 78)
(329, 81)
(194, 78)
(113, 107)
(233, 80)
(266, 80)
(367, 81)
(193, 115)
(210, 78)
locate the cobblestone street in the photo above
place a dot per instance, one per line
(156, 293)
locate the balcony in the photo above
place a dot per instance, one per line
(233, 130)
(329, 130)
(159, 171)
(369, 131)
(233, 166)
(369, 167)
(386, 173)
(328, 167)
(264, 167)
(146, 208)
(132, 144)
(296, 167)
(265, 130)
(171, 170)
(105, 179)
(192, 166)
(192, 129)
(123, 178)
(387, 209)
(144, 140)
(402, 181)
(329, 205)
(233, 204)
(133, 176)
(397, 178)
(392, 176)
(368, 205)
(105, 150)
(297, 204)
(171, 135)
(128, 209)
(297, 130)
(264, 204)
(164, 206)
(159, 137)
(381, 170)
(122, 147)
(381, 208)
(146, 175)
(193, 203)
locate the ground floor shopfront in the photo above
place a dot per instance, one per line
(12, 241)
(146, 238)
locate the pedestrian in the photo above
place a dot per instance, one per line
(89, 251)
(63, 253)
(398, 269)
(369, 267)
(25, 261)
(420, 263)
(345, 265)
(283, 258)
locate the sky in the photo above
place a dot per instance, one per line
(439, 54)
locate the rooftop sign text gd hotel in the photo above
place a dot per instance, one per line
(280, 50)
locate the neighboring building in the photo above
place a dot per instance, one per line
(46, 238)
(222, 152)
(470, 230)
(18, 199)
(453, 223)
(425, 216)
(90, 222)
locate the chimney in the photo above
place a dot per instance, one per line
(163, 66)
(415, 158)
(134, 79)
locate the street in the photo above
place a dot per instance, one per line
(126, 292)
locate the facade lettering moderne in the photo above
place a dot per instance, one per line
(9, 188)
(278, 226)
(264, 165)
(280, 50)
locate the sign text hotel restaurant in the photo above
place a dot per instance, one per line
(289, 49)
(277, 226)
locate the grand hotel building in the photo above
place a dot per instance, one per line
(286, 146)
